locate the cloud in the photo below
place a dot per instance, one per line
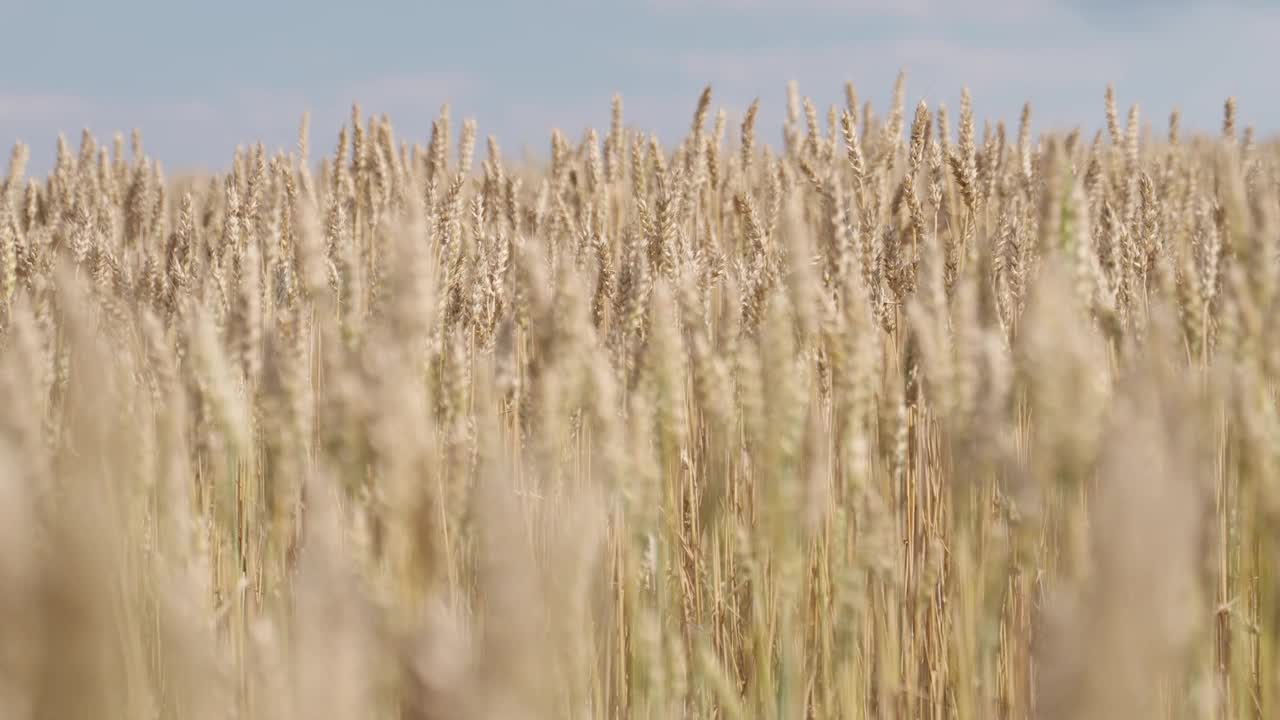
(906, 7)
(418, 90)
(932, 65)
(202, 131)
(914, 9)
(14, 108)
(1059, 54)
(1063, 74)
(1065, 84)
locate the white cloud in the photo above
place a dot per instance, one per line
(932, 64)
(918, 9)
(196, 130)
(423, 91)
(15, 108)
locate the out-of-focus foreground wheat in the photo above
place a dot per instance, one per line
(889, 423)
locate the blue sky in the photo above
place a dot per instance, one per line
(200, 77)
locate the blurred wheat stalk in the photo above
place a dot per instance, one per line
(878, 425)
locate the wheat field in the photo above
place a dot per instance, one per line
(890, 421)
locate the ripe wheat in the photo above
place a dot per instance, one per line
(879, 424)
